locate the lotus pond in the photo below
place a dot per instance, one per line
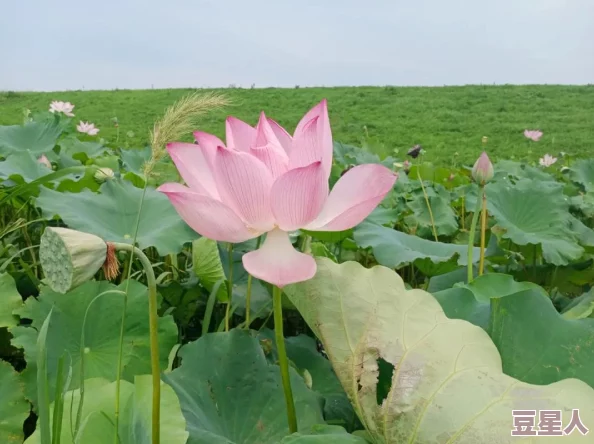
(288, 288)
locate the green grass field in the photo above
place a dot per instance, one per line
(445, 120)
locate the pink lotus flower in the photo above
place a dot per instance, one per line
(88, 128)
(265, 181)
(45, 161)
(62, 107)
(533, 134)
(547, 160)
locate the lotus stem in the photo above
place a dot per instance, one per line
(248, 295)
(154, 339)
(282, 357)
(229, 287)
(427, 202)
(483, 231)
(463, 211)
(471, 237)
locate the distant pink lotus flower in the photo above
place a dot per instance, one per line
(533, 134)
(62, 107)
(88, 128)
(265, 181)
(547, 160)
(45, 161)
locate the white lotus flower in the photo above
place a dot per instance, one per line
(87, 128)
(62, 107)
(547, 160)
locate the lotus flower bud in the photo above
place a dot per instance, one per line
(104, 174)
(482, 171)
(69, 257)
(485, 140)
(45, 161)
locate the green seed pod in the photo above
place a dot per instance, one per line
(69, 257)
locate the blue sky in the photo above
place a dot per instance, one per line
(67, 44)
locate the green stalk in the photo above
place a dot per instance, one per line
(229, 286)
(128, 271)
(43, 384)
(483, 230)
(248, 295)
(154, 340)
(427, 202)
(471, 236)
(282, 357)
(82, 362)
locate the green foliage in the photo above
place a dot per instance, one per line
(317, 372)
(537, 344)
(22, 167)
(14, 409)
(532, 214)
(393, 248)
(230, 394)
(95, 309)
(394, 364)
(439, 364)
(445, 120)
(97, 425)
(10, 299)
(159, 226)
(37, 137)
(323, 434)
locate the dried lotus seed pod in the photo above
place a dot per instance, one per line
(69, 257)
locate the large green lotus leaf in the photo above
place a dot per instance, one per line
(471, 302)
(97, 420)
(383, 216)
(584, 233)
(582, 172)
(37, 137)
(134, 159)
(393, 248)
(79, 150)
(112, 215)
(303, 353)
(460, 303)
(346, 155)
(10, 299)
(22, 167)
(580, 307)
(102, 332)
(447, 383)
(532, 213)
(443, 215)
(537, 344)
(506, 168)
(498, 285)
(323, 434)
(584, 203)
(14, 409)
(448, 280)
(230, 394)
